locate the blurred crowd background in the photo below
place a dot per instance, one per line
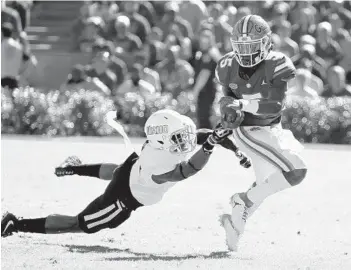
(145, 55)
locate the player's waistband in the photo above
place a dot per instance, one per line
(253, 120)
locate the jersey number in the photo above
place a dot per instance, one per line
(226, 62)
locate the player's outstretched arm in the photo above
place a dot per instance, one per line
(202, 135)
(197, 162)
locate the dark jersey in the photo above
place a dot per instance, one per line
(267, 84)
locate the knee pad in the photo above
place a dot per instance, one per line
(295, 177)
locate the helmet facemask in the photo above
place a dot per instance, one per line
(249, 53)
(183, 140)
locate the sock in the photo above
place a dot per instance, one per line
(275, 183)
(92, 170)
(36, 225)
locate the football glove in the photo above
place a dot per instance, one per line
(244, 160)
(231, 112)
(217, 136)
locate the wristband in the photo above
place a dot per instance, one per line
(207, 147)
(250, 106)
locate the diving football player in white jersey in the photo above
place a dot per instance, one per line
(141, 180)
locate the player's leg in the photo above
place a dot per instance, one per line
(115, 205)
(72, 165)
(276, 165)
(45, 225)
(276, 162)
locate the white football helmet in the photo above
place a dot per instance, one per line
(171, 131)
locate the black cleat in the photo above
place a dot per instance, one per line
(66, 167)
(8, 224)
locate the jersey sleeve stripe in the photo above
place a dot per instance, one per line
(281, 66)
(285, 69)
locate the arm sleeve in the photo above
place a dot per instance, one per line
(185, 169)
(202, 135)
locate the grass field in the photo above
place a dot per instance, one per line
(307, 227)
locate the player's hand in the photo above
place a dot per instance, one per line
(231, 112)
(219, 134)
(244, 160)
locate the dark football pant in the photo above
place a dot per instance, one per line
(114, 206)
(205, 107)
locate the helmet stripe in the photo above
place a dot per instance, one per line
(245, 23)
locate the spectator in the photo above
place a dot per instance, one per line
(345, 62)
(287, 46)
(326, 47)
(104, 9)
(280, 14)
(78, 80)
(147, 10)
(305, 25)
(23, 10)
(228, 21)
(307, 39)
(174, 38)
(116, 65)
(91, 33)
(230, 15)
(79, 25)
(149, 75)
(155, 35)
(170, 17)
(316, 64)
(136, 84)
(295, 14)
(343, 10)
(139, 26)
(154, 52)
(276, 41)
(337, 86)
(10, 15)
(336, 24)
(14, 58)
(99, 69)
(302, 88)
(204, 89)
(127, 44)
(176, 75)
(219, 28)
(194, 12)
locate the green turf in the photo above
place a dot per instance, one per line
(307, 227)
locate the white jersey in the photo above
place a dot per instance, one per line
(152, 162)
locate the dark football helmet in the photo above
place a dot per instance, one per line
(251, 40)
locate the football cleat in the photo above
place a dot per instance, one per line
(66, 167)
(8, 224)
(239, 212)
(232, 235)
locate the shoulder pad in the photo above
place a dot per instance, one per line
(223, 66)
(282, 67)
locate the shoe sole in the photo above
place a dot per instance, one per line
(232, 236)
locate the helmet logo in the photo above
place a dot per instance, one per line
(233, 86)
(258, 28)
(154, 130)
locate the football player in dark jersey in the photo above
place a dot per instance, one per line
(254, 79)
